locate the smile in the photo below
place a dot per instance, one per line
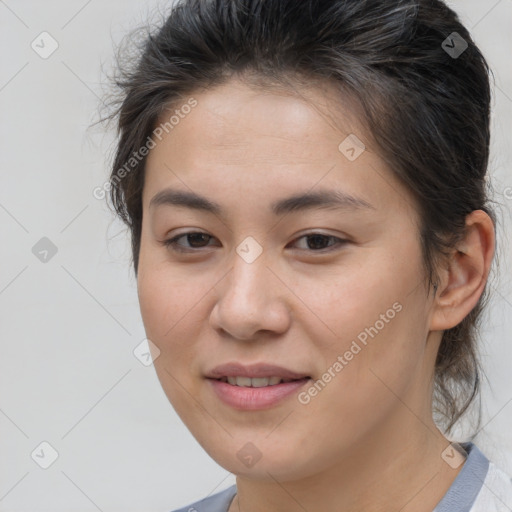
(256, 382)
(253, 394)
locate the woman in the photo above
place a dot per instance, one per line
(325, 376)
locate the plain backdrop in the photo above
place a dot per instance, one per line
(69, 316)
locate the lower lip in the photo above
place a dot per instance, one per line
(252, 399)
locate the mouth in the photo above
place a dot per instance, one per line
(255, 387)
(257, 382)
(254, 374)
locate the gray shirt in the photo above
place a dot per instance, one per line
(460, 497)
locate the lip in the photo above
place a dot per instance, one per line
(234, 369)
(253, 399)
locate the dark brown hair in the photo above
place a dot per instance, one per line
(425, 108)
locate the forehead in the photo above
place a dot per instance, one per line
(263, 142)
(236, 114)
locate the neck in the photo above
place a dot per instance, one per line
(400, 469)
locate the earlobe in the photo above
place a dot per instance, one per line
(464, 279)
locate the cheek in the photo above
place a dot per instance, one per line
(166, 308)
(351, 298)
(165, 294)
(168, 315)
(362, 383)
(158, 304)
(375, 319)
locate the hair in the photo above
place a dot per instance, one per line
(426, 111)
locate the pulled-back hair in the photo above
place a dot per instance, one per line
(425, 109)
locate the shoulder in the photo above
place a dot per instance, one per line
(479, 487)
(496, 492)
(218, 502)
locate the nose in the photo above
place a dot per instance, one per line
(252, 300)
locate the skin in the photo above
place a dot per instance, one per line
(367, 441)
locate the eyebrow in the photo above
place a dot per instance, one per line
(322, 198)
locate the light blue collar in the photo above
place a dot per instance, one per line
(463, 492)
(459, 498)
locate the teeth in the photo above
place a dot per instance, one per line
(259, 382)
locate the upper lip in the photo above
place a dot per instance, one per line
(254, 371)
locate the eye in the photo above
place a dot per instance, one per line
(315, 242)
(195, 237)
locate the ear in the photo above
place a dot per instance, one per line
(463, 281)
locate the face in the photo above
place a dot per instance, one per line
(328, 286)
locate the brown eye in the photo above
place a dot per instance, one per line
(318, 242)
(196, 240)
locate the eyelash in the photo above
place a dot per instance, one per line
(174, 246)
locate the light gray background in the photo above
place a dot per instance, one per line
(68, 327)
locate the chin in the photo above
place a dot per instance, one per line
(262, 461)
